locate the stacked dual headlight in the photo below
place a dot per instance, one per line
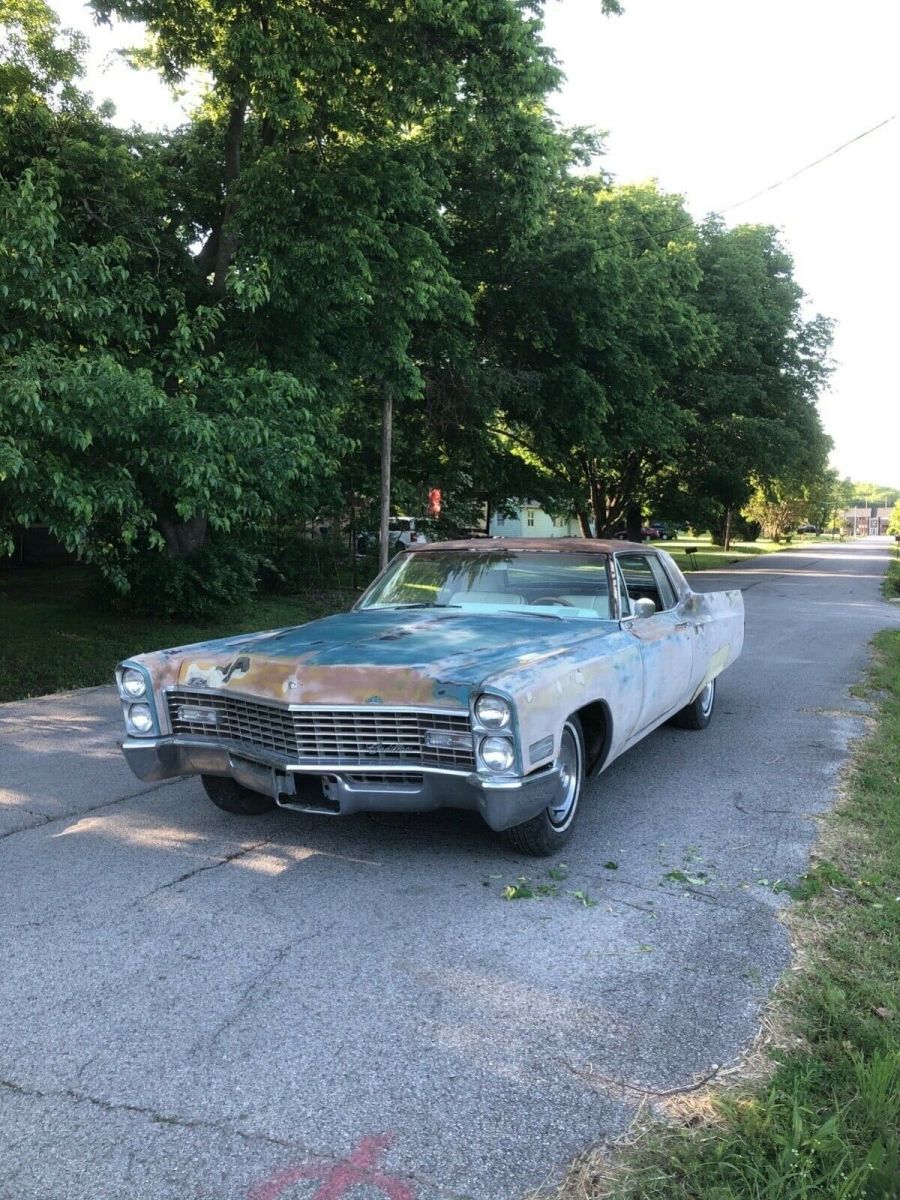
(133, 687)
(496, 751)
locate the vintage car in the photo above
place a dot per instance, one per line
(493, 675)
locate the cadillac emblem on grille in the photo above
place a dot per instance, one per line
(379, 749)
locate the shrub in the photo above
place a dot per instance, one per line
(219, 575)
(294, 561)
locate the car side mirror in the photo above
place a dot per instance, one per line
(644, 607)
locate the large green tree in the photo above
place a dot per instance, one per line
(339, 130)
(126, 422)
(753, 402)
(593, 331)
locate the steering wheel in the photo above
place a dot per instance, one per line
(553, 600)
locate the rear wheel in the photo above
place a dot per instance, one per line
(549, 831)
(232, 798)
(698, 714)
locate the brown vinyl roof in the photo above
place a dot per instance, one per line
(488, 545)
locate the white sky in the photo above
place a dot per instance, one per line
(717, 99)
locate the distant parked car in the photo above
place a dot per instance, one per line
(663, 531)
(489, 675)
(808, 529)
(402, 532)
(647, 532)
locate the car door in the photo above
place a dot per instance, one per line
(665, 638)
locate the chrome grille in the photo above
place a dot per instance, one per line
(361, 737)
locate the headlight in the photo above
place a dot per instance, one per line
(140, 718)
(133, 683)
(497, 753)
(493, 712)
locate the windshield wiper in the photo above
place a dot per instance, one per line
(530, 612)
(417, 604)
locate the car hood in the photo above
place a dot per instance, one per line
(375, 656)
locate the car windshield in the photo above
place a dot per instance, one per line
(555, 584)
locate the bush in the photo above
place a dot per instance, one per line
(294, 562)
(220, 575)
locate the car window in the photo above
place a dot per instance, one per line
(564, 584)
(664, 587)
(644, 578)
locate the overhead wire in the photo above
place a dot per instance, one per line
(794, 175)
(772, 186)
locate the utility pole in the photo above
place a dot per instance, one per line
(387, 421)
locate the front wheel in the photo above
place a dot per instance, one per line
(549, 831)
(232, 798)
(698, 714)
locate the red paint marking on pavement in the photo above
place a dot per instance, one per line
(337, 1179)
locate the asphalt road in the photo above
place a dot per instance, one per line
(199, 1007)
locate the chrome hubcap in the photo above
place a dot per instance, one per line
(706, 697)
(562, 811)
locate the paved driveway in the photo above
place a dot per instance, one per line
(196, 1006)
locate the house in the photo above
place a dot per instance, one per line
(530, 520)
(867, 520)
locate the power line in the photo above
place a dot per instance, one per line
(809, 166)
(660, 233)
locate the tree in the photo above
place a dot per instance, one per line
(775, 511)
(753, 402)
(894, 523)
(335, 126)
(597, 322)
(127, 422)
(116, 448)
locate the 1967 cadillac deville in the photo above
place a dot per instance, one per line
(490, 675)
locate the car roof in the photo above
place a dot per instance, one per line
(490, 545)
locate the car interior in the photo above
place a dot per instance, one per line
(514, 586)
(642, 582)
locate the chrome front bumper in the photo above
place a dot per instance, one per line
(338, 791)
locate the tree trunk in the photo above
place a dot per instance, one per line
(228, 237)
(585, 523)
(598, 505)
(727, 541)
(488, 513)
(633, 522)
(183, 537)
(387, 421)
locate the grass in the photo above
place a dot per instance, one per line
(891, 585)
(710, 557)
(825, 1122)
(53, 637)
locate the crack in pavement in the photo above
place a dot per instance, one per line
(82, 812)
(605, 1083)
(259, 977)
(209, 866)
(202, 1124)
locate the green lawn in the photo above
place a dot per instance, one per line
(710, 557)
(825, 1123)
(54, 637)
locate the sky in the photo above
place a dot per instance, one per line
(717, 100)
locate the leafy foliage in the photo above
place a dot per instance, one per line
(198, 329)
